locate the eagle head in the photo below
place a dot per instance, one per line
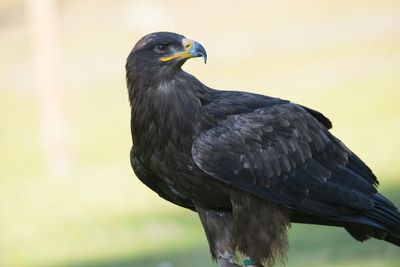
(162, 53)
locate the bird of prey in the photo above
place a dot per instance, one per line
(248, 164)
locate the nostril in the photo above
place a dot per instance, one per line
(186, 43)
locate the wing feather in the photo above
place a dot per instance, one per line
(284, 154)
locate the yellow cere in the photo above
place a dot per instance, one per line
(187, 44)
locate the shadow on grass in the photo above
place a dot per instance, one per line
(194, 257)
(310, 245)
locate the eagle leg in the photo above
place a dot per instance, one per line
(218, 226)
(259, 229)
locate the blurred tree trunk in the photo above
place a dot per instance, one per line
(42, 20)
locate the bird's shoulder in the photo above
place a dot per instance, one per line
(219, 106)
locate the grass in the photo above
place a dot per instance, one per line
(341, 59)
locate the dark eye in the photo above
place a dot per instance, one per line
(161, 48)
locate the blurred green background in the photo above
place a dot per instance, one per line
(68, 196)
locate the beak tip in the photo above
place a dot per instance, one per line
(199, 51)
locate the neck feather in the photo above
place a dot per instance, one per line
(165, 110)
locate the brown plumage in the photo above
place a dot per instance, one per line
(248, 164)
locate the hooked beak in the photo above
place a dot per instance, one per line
(191, 49)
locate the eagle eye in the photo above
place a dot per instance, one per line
(161, 48)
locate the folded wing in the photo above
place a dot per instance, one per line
(285, 154)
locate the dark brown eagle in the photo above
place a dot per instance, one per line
(248, 164)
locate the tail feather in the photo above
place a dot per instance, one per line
(394, 240)
(381, 222)
(386, 213)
